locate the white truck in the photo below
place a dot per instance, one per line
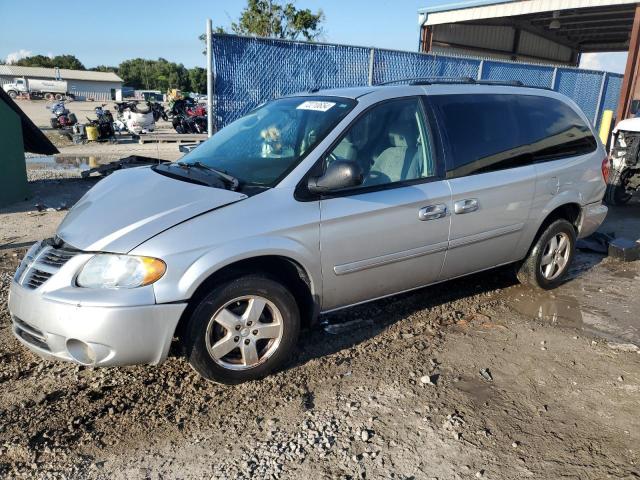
(48, 89)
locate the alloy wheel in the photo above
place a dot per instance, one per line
(555, 256)
(244, 332)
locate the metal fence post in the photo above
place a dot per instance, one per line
(480, 67)
(553, 78)
(371, 60)
(600, 97)
(209, 81)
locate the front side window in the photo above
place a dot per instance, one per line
(389, 142)
(494, 132)
(263, 146)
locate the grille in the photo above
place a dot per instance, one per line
(35, 278)
(30, 334)
(43, 264)
(56, 257)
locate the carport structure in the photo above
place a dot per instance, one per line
(537, 31)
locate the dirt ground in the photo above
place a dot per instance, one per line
(474, 378)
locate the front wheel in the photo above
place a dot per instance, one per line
(243, 330)
(548, 260)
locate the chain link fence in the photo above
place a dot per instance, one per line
(249, 71)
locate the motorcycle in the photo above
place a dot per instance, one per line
(184, 123)
(134, 117)
(61, 117)
(159, 112)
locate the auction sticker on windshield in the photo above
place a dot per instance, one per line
(315, 105)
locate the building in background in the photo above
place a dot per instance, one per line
(83, 84)
(541, 31)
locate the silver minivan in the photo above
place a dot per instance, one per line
(308, 204)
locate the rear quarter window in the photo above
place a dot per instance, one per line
(485, 133)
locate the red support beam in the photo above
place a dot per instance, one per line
(632, 69)
(426, 40)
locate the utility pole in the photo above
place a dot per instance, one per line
(209, 81)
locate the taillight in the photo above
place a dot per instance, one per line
(605, 169)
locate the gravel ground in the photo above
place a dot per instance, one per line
(460, 380)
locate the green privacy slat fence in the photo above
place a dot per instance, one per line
(249, 71)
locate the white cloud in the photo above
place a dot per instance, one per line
(610, 61)
(15, 56)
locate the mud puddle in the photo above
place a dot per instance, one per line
(611, 321)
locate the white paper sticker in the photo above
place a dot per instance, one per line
(315, 105)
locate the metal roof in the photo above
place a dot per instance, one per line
(65, 74)
(542, 30)
(485, 9)
(458, 4)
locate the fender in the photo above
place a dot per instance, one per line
(535, 222)
(213, 260)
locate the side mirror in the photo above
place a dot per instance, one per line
(340, 174)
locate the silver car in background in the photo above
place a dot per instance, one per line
(309, 204)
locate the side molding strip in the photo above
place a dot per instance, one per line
(389, 258)
(479, 237)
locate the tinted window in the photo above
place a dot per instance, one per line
(389, 142)
(494, 132)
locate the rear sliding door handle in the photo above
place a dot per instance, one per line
(432, 212)
(466, 206)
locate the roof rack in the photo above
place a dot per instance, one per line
(459, 80)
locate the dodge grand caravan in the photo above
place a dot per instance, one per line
(309, 204)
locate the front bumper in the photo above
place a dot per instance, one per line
(92, 335)
(591, 218)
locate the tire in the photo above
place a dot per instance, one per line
(72, 119)
(54, 122)
(546, 276)
(206, 339)
(48, 96)
(616, 193)
(58, 96)
(12, 93)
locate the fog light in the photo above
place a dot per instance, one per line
(81, 352)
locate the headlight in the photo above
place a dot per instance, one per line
(106, 270)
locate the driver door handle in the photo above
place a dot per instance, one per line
(466, 206)
(432, 212)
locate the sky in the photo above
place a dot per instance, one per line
(106, 33)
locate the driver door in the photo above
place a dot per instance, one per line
(389, 234)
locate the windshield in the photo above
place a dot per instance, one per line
(266, 144)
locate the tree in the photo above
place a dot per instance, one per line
(60, 61)
(271, 18)
(104, 68)
(198, 80)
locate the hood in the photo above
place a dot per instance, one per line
(628, 125)
(131, 206)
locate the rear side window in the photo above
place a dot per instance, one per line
(485, 133)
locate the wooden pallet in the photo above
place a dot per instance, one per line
(172, 138)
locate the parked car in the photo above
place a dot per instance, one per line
(625, 162)
(309, 204)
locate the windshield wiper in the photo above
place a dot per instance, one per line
(230, 180)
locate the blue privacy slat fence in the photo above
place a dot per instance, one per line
(249, 71)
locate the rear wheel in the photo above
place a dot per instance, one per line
(548, 261)
(243, 330)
